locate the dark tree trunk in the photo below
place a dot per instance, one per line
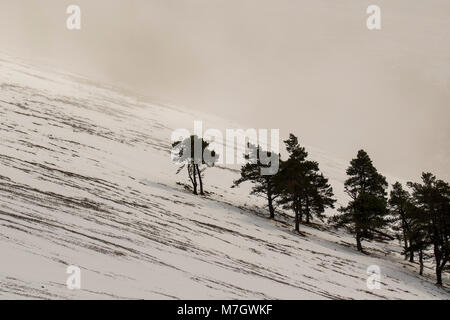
(405, 228)
(194, 179)
(438, 259)
(358, 242)
(438, 275)
(405, 240)
(411, 256)
(270, 200)
(297, 220)
(308, 215)
(421, 262)
(199, 179)
(271, 209)
(191, 177)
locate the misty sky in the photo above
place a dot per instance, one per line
(309, 67)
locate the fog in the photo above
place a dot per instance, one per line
(308, 67)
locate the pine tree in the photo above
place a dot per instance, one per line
(319, 194)
(254, 172)
(365, 214)
(291, 185)
(412, 223)
(399, 205)
(432, 197)
(417, 235)
(193, 152)
(301, 185)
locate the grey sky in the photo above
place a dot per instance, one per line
(310, 67)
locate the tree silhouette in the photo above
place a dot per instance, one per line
(400, 207)
(193, 152)
(432, 197)
(261, 173)
(365, 214)
(301, 186)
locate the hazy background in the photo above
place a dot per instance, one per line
(310, 67)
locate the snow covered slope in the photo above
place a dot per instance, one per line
(86, 180)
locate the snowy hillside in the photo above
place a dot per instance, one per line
(86, 180)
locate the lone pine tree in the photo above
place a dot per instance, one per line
(263, 181)
(432, 197)
(301, 186)
(192, 153)
(365, 214)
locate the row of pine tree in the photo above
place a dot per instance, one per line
(420, 217)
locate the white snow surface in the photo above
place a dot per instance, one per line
(86, 179)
